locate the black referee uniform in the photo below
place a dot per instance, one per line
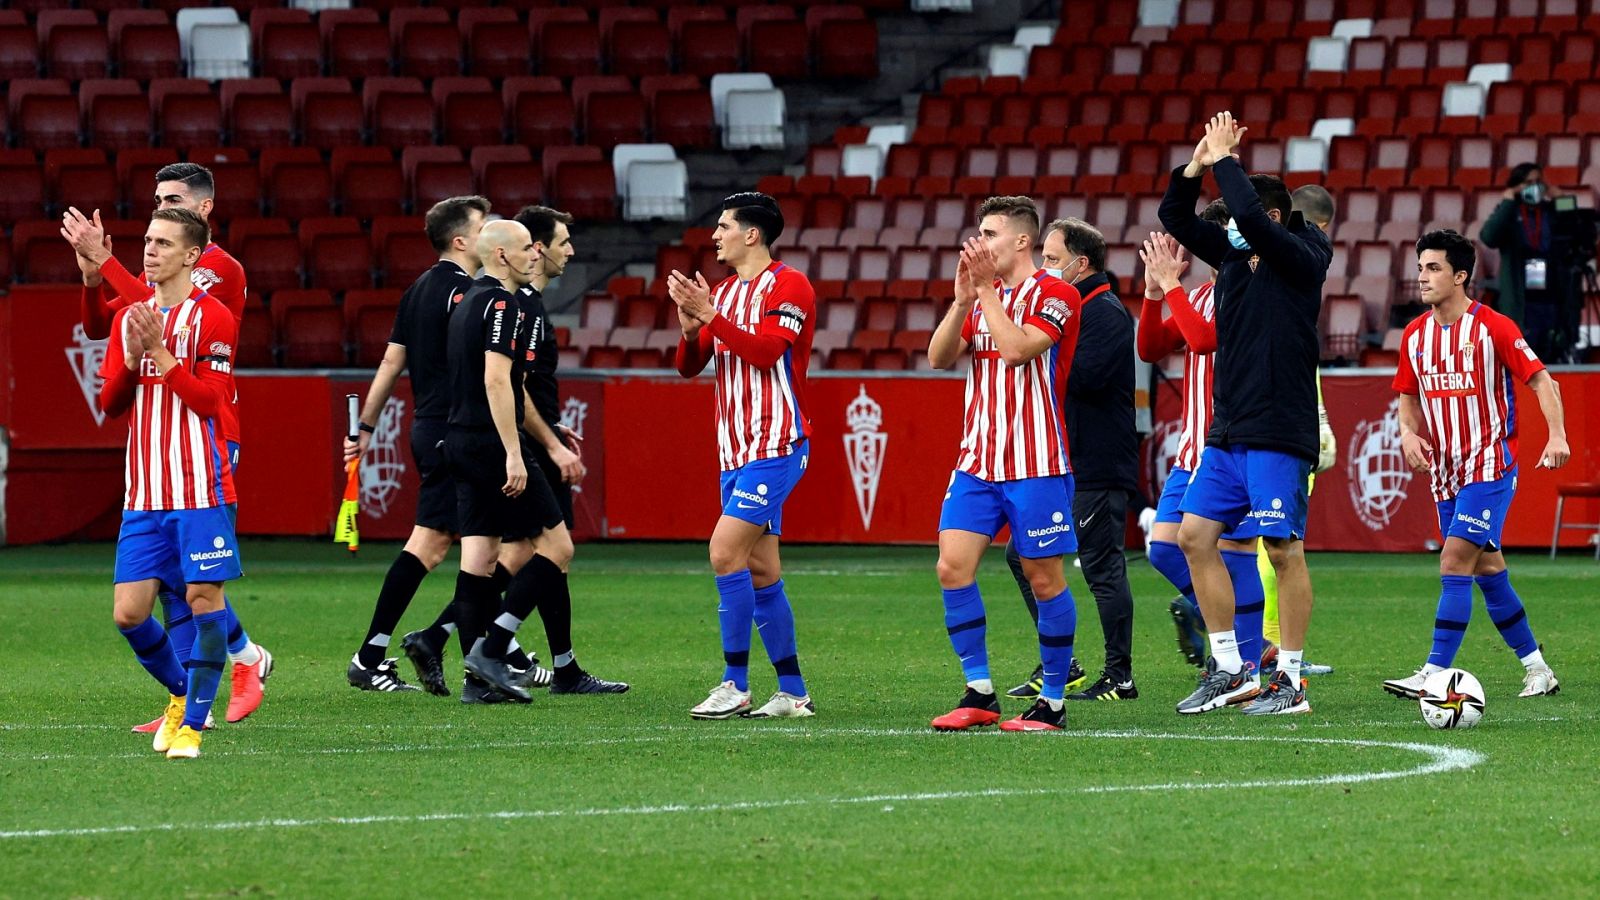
(545, 392)
(490, 319)
(420, 327)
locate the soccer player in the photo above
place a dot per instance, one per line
(180, 186)
(505, 510)
(1022, 326)
(169, 361)
(1457, 362)
(1192, 328)
(417, 344)
(757, 325)
(1262, 443)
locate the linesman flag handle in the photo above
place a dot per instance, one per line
(346, 531)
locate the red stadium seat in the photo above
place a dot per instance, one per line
(587, 190)
(311, 336)
(497, 45)
(402, 119)
(340, 262)
(314, 229)
(540, 111)
(847, 48)
(358, 50)
(569, 48)
(613, 118)
(190, 120)
(297, 190)
(779, 47)
(24, 196)
(274, 261)
(509, 184)
(43, 121)
(708, 47)
(369, 320)
(19, 52)
(639, 48)
(436, 180)
(367, 189)
(556, 157)
(429, 49)
(255, 350)
(684, 119)
(540, 16)
(115, 113)
(40, 256)
(259, 117)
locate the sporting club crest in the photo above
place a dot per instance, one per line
(85, 357)
(1377, 469)
(863, 448)
(384, 464)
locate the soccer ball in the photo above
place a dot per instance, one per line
(1452, 698)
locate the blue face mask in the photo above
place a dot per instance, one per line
(1533, 193)
(1235, 238)
(1055, 273)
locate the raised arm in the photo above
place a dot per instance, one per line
(120, 372)
(953, 334)
(1017, 344)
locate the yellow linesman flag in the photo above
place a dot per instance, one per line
(347, 531)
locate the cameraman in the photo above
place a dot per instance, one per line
(1540, 260)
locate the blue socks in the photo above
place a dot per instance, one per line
(237, 639)
(1058, 621)
(205, 666)
(1505, 609)
(736, 603)
(150, 643)
(1450, 624)
(1169, 561)
(774, 619)
(180, 625)
(968, 629)
(1249, 603)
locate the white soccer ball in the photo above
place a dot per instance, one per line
(1452, 698)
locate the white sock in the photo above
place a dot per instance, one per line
(1055, 705)
(1534, 660)
(564, 659)
(449, 627)
(982, 685)
(251, 654)
(1430, 668)
(1289, 664)
(1225, 650)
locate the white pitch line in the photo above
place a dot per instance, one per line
(1439, 759)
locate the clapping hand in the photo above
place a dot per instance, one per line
(1164, 262)
(1223, 134)
(979, 260)
(692, 297)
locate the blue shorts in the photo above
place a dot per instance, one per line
(755, 492)
(1478, 512)
(179, 547)
(1039, 511)
(1267, 487)
(1167, 508)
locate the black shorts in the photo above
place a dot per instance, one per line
(436, 492)
(561, 490)
(478, 465)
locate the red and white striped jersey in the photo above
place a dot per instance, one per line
(177, 453)
(761, 407)
(1196, 388)
(1015, 427)
(1462, 374)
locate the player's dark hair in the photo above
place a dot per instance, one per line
(196, 233)
(1022, 212)
(449, 217)
(1274, 194)
(541, 222)
(1216, 212)
(1519, 174)
(1457, 249)
(1315, 203)
(194, 176)
(1083, 240)
(753, 209)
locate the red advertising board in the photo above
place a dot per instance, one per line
(881, 450)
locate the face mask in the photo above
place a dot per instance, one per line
(1533, 193)
(1235, 238)
(1056, 273)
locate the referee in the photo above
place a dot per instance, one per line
(555, 447)
(1104, 447)
(417, 343)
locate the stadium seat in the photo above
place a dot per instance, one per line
(683, 118)
(369, 320)
(42, 121)
(24, 197)
(541, 112)
(708, 47)
(436, 180)
(569, 48)
(78, 51)
(40, 256)
(429, 49)
(290, 48)
(639, 48)
(587, 190)
(299, 189)
(219, 51)
(115, 113)
(19, 52)
(497, 46)
(358, 49)
(754, 119)
(340, 262)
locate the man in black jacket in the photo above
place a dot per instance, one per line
(1263, 440)
(1104, 450)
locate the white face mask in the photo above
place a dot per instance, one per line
(1055, 273)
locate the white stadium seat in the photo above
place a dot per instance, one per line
(191, 16)
(656, 189)
(624, 155)
(219, 51)
(753, 119)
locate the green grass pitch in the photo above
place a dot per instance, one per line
(331, 792)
